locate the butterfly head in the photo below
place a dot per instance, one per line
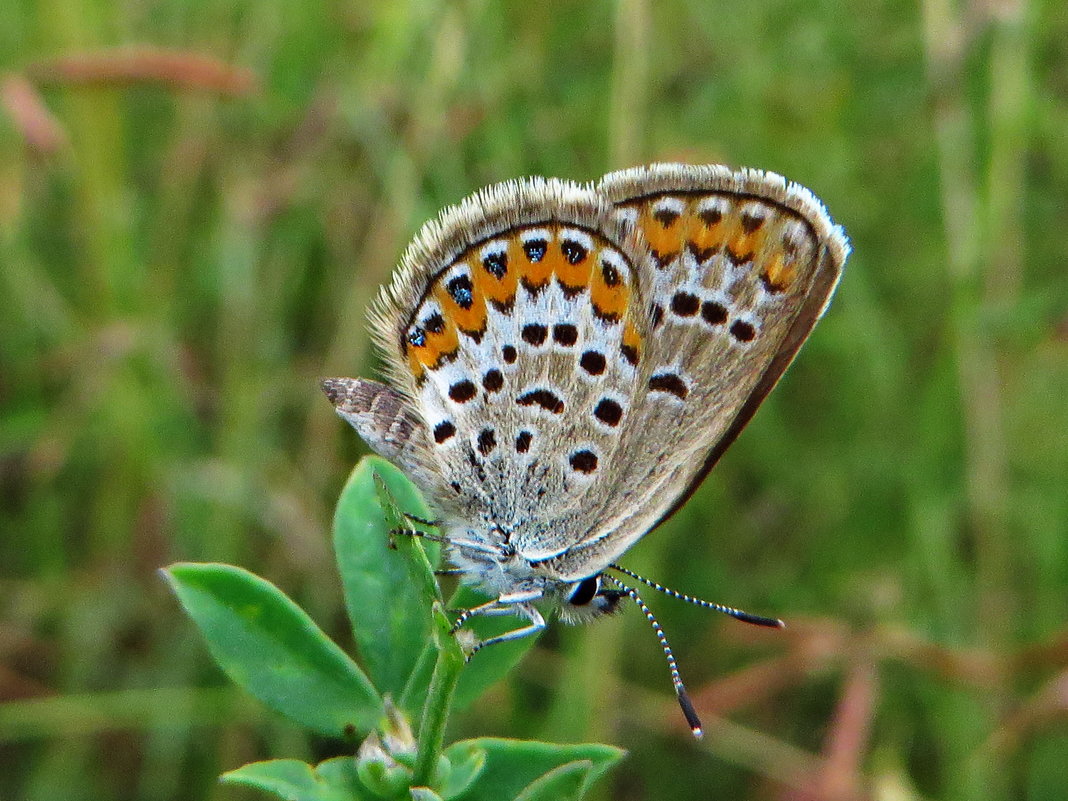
(589, 599)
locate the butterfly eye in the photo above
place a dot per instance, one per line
(585, 591)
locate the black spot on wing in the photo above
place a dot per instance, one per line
(583, 461)
(610, 274)
(461, 291)
(743, 331)
(565, 334)
(713, 313)
(710, 217)
(487, 441)
(534, 334)
(666, 217)
(492, 381)
(608, 412)
(685, 304)
(670, 383)
(462, 391)
(573, 251)
(535, 249)
(496, 264)
(544, 398)
(593, 362)
(444, 431)
(751, 222)
(434, 323)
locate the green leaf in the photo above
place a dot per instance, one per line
(424, 794)
(565, 783)
(339, 772)
(512, 765)
(467, 761)
(269, 646)
(293, 780)
(388, 590)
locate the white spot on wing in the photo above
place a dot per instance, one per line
(575, 235)
(533, 234)
(672, 204)
(493, 248)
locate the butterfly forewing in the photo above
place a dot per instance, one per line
(516, 336)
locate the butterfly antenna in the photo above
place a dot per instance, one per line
(688, 711)
(738, 614)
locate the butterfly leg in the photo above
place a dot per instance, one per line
(412, 532)
(466, 614)
(518, 604)
(537, 623)
(508, 604)
(423, 522)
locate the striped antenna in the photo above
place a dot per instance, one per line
(738, 614)
(688, 711)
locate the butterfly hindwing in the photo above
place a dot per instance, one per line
(740, 266)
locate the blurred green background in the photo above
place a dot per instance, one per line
(198, 198)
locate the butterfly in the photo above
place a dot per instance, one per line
(566, 362)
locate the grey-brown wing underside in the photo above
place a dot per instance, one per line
(740, 267)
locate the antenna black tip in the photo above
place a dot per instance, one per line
(689, 712)
(757, 620)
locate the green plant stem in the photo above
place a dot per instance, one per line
(438, 700)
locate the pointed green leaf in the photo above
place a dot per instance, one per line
(385, 579)
(292, 780)
(424, 794)
(511, 765)
(341, 773)
(269, 646)
(565, 783)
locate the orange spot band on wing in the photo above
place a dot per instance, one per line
(469, 316)
(575, 276)
(632, 342)
(501, 291)
(437, 347)
(664, 239)
(742, 244)
(536, 274)
(609, 302)
(778, 275)
(704, 234)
